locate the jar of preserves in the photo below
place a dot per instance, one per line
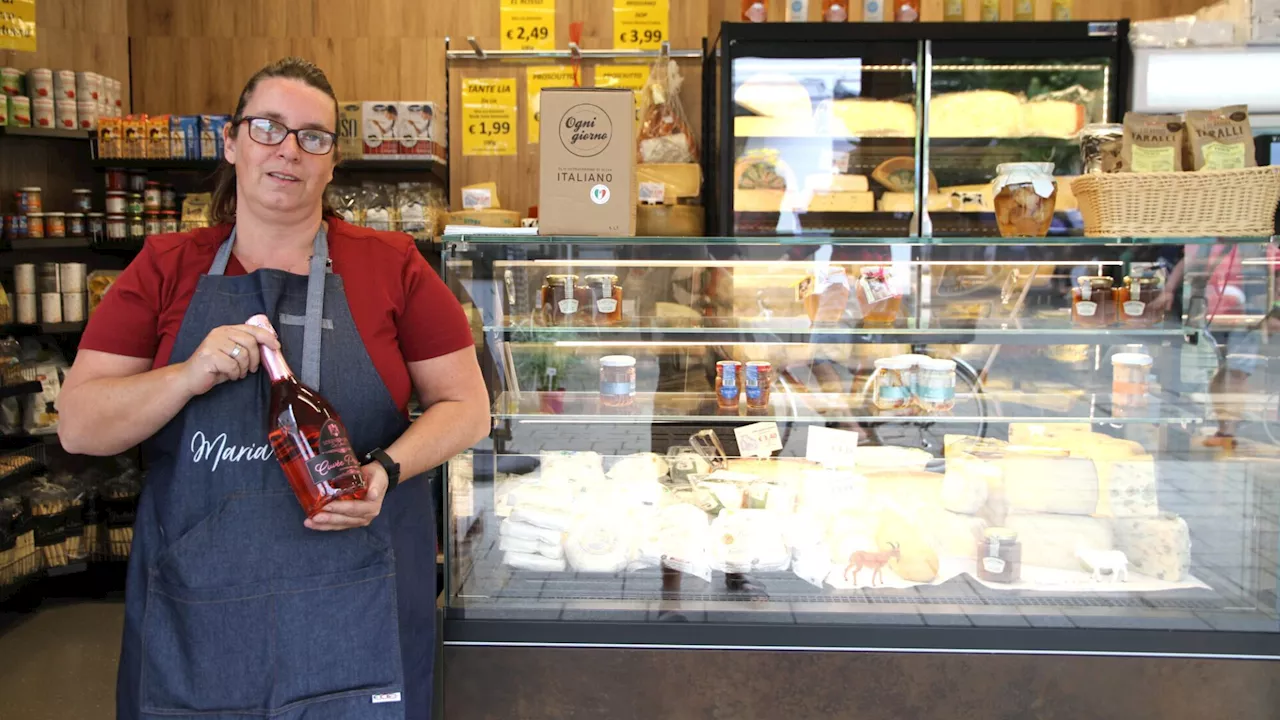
(825, 294)
(891, 383)
(151, 223)
(1093, 303)
(560, 304)
(169, 221)
(617, 380)
(1135, 302)
(168, 198)
(96, 226)
(55, 225)
(137, 228)
(75, 224)
(757, 382)
(151, 196)
(137, 182)
(1000, 556)
(117, 228)
(879, 301)
(728, 384)
(936, 390)
(606, 299)
(82, 200)
(30, 201)
(35, 225)
(117, 180)
(117, 202)
(1025, 196)
(1129, 380)
(135, 204)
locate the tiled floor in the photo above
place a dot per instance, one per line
(60, 662)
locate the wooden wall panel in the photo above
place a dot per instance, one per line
(79, 35)
(931, 10)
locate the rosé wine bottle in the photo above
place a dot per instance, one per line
(308, 437)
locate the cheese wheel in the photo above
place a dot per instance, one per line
(775, 95)
(976, 114)
(1065, 486)
(1159, 547)
(1051, 541)
(873, 118)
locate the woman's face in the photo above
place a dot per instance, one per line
(283, 178)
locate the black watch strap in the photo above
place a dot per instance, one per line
(381, 457)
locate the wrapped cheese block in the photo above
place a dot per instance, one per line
(525, 531)
(1051, 541)
(1159, 547)
(748, 541)
(571, 467)
(1065, 486)
(550, 519)
(918, 560)
(599, 544)
(685, 537)
(1129, 487)
(530, 547)
(976, 114)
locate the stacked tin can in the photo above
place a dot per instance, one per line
(57, 289)
(29, 218)
(62, 99)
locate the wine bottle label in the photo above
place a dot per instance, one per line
(334, 458)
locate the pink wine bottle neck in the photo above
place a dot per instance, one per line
(272, 360)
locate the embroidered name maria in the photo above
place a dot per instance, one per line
(218, 450)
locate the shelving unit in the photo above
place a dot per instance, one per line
(438, 170)
(47, 133)
(63, 243)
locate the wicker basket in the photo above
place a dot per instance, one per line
(1222, 203)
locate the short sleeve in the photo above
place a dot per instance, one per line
(433, 322)
(126, 322)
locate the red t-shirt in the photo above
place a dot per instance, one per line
(402, 310)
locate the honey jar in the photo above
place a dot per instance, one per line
(728, 384)
(606, 299)
(560, 303)
(1134, 302)
(1093, 303)
(880, 303)
(617, 380)
(825, 294)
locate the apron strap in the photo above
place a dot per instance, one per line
(315, 299)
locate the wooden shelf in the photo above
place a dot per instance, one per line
(11, 131)
(431, 167)
(62, 243)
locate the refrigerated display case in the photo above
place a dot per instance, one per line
(823, 129)
(1104, 480)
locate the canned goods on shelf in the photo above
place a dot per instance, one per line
(35, 225)
(82, 199)
(29, 200)
(169, 221)
(75, 224)
(151, 197)
(117, 228)
(135, 205)
(117, 202)
(152, 224)
(55, 224)
(137, 228)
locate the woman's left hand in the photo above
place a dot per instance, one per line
(348, 514)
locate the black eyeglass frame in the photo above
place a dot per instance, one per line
(333, 137)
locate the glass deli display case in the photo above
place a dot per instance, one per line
(824, 129)
(963, 442)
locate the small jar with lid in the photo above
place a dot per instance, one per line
(117, 180)
(936, 384)
(1093, 302)
(151, 223)
(137, 182)
(82, 200)
(96, 226)
(168, 197)
(135, 204)
(117, 228)
(891, 383)
(617, 380)
(30, 201)
(55, 224)
(757, 383)
(1135, 302)
(169, 221)
(728, 384)
(151, 196)
(35, 225)
(75, 224)
(560, 304)
(879, 300)
(137, 228)
(1130, 383)
(1000, 556)
(117, 202)
(606, 299)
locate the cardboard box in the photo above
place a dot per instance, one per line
(588, 162)
(379, 119)
(350, 120)
(158, 137)
(419, 129)
(211, 136)
(184, 137)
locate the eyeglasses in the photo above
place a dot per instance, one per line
(269, 132)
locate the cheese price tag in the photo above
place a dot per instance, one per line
(758, 439)
(540, 78)
(831, 448)
(641, 24)
(18, 25)
(489, 116)
(528, 24)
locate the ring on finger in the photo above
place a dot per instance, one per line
(235, 352)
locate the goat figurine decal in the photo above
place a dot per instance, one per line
(874, 561)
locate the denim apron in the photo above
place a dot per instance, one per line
(234, 609)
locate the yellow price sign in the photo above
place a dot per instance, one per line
(489, 117)
(18, 25)
(641, 24)
(631, 77)
(540, 78)
(528, 24)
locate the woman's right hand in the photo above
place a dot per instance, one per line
(229, 352)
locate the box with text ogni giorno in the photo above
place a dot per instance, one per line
(587, 162)
(420, 130)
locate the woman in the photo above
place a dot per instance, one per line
(237, 605)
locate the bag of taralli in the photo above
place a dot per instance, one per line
(1220, 139)
(665, 134)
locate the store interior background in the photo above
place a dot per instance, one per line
(192, 57)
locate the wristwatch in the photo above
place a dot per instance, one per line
(381, 457)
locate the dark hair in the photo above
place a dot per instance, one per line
(292, 68)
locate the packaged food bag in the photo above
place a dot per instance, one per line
(665, 134)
